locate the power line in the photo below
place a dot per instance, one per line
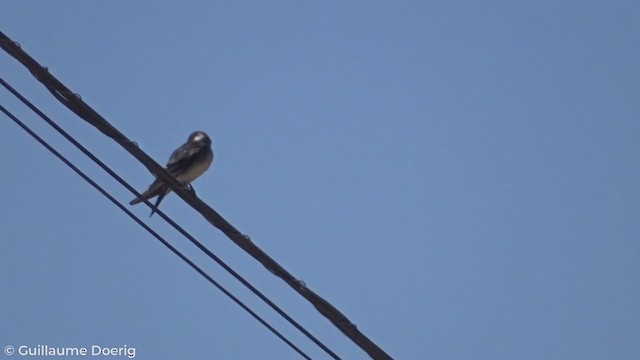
(72, 101)
(168, 219)
(151, 231)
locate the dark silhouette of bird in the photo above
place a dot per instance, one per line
(186, 164)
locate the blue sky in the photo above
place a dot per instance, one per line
(459, 178)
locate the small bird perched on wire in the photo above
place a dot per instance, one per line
(186, 164)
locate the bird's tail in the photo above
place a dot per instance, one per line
(156, 189)
(155, 207)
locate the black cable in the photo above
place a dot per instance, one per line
(151, 231)
(74, 103)
(168, 219)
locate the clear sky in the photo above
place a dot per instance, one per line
(460, 178)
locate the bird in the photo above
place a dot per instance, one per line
(186, 164)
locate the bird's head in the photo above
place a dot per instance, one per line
(199, 137)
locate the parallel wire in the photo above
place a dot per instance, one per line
(74, 103)
(151, 231)
(167, 218)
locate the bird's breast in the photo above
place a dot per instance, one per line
(197, 168)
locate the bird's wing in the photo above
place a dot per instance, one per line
(182, 157)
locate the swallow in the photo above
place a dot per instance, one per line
(186, 164)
